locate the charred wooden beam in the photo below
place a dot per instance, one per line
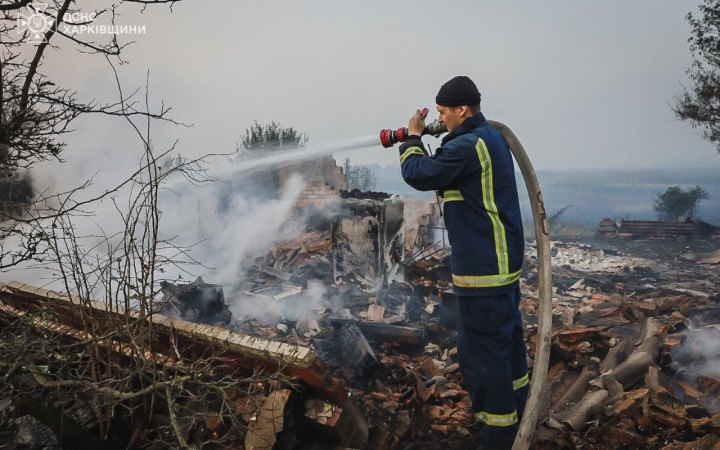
(578, 416)
(381, 332)
(355, 351)
(193, 341)
(577, 390)
(632, 369)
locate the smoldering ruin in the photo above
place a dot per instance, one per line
(357, 314)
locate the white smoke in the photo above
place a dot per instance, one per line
(302, 307)
(88, 173)
(227, 226)
(699, 351)
(222, 225)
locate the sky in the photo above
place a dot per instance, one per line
(584, 85)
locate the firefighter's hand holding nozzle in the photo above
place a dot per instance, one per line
(416, 125)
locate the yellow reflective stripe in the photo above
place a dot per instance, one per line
(452, 196)
(497, 420)
(411, 151)
(470, 281)
(521, 382)
(492, 210)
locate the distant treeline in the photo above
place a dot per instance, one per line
(594, 194)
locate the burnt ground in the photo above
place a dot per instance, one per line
(665, 260)
(669, 251)
(607, 290)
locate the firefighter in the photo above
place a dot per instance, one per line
(474, 174)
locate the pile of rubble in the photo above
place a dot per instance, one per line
(389, 345)
(633, 362)
(620, 324)
(627, 370)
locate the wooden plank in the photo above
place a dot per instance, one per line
(279, 274)
(261, 434)
(193, 340)
(341, 425)
(355, 351)
(381, 332)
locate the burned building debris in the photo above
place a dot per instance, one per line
(324, 178)
(374, 364)
(195, 302)
(181, 343)
(617, 320)
(367, 239)
(687, 228)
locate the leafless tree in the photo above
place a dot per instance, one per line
(114, 368)
(36, 113)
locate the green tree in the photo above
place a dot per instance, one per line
(676, 202)
(270, 137)
(359, 177)
(700, 104)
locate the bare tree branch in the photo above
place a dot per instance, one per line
(15, 5)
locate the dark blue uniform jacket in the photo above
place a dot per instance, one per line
(473, 171)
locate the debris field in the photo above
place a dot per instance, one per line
(634, 361)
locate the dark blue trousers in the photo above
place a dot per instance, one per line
(493, 361)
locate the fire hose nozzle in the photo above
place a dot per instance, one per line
(435, 128)
(390, 137)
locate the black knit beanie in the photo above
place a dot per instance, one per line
(457, 92)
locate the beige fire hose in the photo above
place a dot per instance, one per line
(542, 349)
